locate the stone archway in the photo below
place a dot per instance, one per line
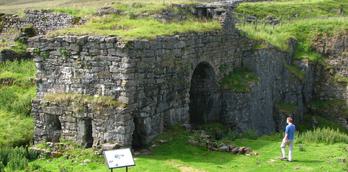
(204, 95)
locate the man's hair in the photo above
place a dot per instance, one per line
(290, 119)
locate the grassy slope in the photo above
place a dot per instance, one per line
(130, 26)
(127, 25)
(177, 155)
(301, 20)
(17, 6)
(16, 126)
(292, 9)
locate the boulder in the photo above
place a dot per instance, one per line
(110, 146)
(224, 148)
(235, 150)
(107, 10)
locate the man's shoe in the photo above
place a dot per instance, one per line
(289, 160)
(283, 159)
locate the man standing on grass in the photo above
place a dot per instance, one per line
(288, 139)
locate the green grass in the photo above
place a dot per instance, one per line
(16, 130)
(240, 80)
(294, 9)
(128, 28)
(303, 30)
(77, 12)
(302, 20)
(324, 135)
(341, 79)
(17, 6)
(177, 155)
(16, 126)
(81, 100)
(22, 73)
(296, 71)
(136, 20)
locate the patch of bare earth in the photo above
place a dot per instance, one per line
(183, 167)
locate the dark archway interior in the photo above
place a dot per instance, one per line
(86, 129)
(54, 127)
(136, 141)
(204, 95)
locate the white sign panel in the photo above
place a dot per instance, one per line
(119, 158)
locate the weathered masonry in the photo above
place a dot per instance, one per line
(97, 90)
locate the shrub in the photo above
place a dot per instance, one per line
(16, 158)
(2, 167)
(240, 80)
(323, 135)
(296, 71)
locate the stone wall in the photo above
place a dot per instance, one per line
(151, 77)
(41, 20)
(94, 66)
(163, 72)
(332, 85)
(260, 109)
(156, 79)
(335, 50)
(165, 81)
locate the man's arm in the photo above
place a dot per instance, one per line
(286, 133)
(285, 136)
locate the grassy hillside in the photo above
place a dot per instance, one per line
(17, 89)
(301, 20)
(17, 6)
(136, 20)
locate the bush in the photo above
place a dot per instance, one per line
(15, 159)
(240, 80)
(2, 167)
(323, 135)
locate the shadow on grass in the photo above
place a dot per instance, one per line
(178, 148)
(308, 161)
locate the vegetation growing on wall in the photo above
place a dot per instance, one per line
(341, 79)
(81, 99)
(17, 6)
(331, 107)
(293, 69)
(129, 28)
(300, 20)
(239, 80)
(284, 107)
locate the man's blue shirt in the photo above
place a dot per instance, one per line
(290, 130)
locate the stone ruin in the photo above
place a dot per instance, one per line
(99, 90)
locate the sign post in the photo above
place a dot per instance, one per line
(120, 158)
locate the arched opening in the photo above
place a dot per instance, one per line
(136, 141)
(54, 128)
(85, 128)
(204, 95)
